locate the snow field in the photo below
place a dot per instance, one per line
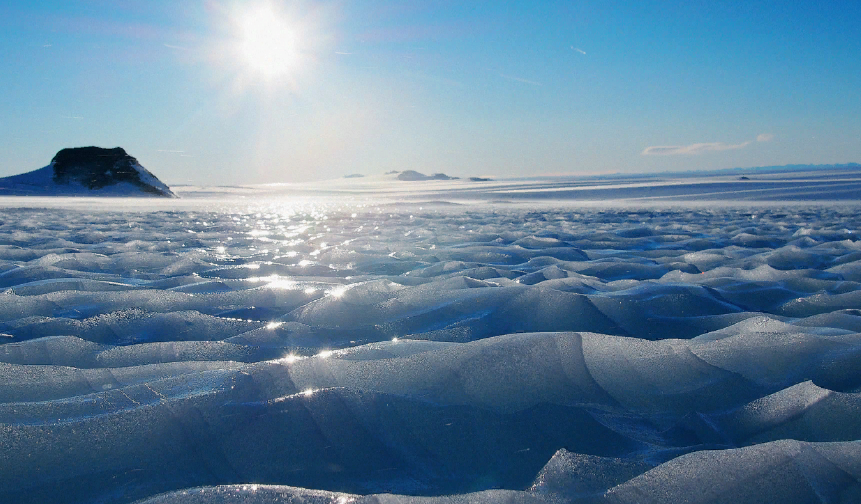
(430, 353)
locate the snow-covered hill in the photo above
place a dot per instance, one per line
(87, 171)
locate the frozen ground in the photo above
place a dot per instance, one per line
(528, 341)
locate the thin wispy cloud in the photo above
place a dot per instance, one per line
(700, 148)
(519, 79)
(581, 51)
(693, 149)
(346, 53)
(171, 46)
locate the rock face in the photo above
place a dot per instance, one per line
(97, 168)
(88, 171)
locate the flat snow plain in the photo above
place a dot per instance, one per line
(644, 339)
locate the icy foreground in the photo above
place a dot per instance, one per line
(399, 353)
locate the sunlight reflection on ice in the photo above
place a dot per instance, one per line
(290, 359)
(282, 284)
(337, 291)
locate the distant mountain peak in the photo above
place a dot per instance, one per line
(88, 171)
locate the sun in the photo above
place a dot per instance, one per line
(274, 46)
(267, 42)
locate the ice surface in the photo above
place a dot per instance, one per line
(454, 342)
(782, 471)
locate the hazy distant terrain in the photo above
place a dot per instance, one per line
(651, 339)
(753, 185)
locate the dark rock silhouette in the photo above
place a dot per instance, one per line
(88, 171)
(95, 168)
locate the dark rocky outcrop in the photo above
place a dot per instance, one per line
(87, 171)
(96, 168)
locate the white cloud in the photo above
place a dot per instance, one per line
(518, 79)
(765, 137)
(581, 51)
(693, 149)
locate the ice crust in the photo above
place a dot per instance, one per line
(430, 353)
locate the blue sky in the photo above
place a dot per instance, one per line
(209, 92)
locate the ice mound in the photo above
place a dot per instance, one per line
(782, 471)
(358, 350)
(803, 412)
(569, 476)
(88, 171)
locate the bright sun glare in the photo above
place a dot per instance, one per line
(267, 42)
